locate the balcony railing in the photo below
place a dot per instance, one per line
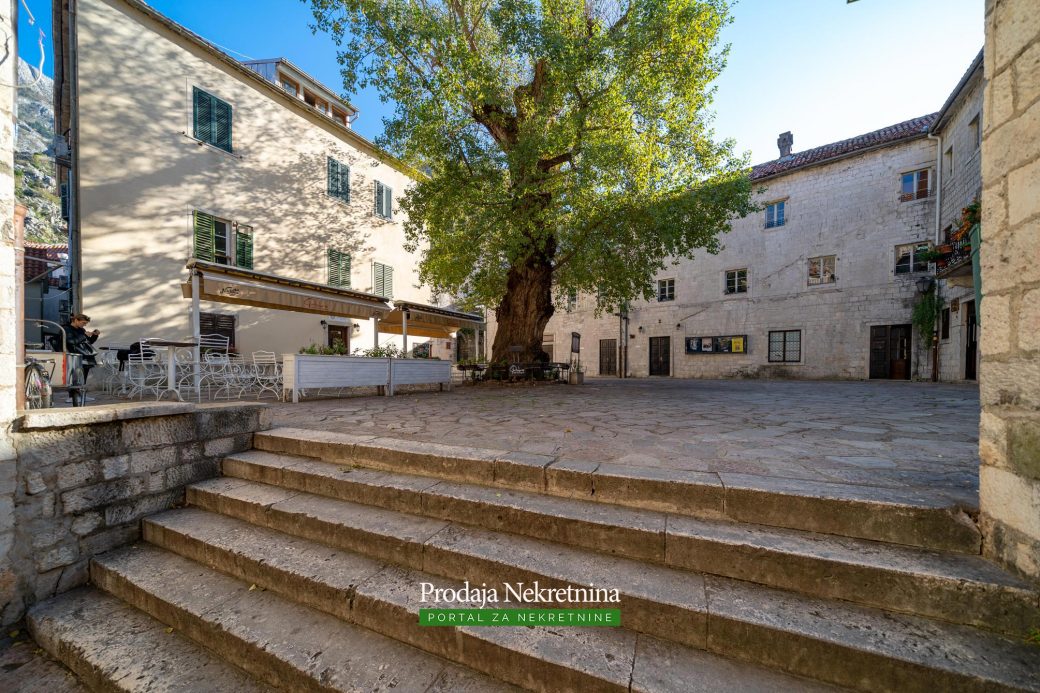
(916, 195)
(956, 255)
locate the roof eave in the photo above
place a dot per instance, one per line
(840, 157)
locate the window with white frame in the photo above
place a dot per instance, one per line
(572, 300)
(912, 257)
(665, 290)
(736, 281)
(221, 241)
(948, 161)
(775, 214)
(821, 270)
(975, 127)
(384, 201)
(915, 185)
(785, 346)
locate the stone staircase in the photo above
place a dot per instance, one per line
(300, 569)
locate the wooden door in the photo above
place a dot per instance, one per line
(879, 351)
(660, 355)
(890, 351)
(339, 333)
(608, 357)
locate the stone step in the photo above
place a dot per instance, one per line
(112, 646)
(258, 623)
(881, 514)
(949, 586)
(280, 642)
(834, 642)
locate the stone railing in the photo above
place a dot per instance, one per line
(85, 477)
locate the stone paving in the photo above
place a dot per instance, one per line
(916, 436)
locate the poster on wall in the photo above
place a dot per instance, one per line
(729, 344)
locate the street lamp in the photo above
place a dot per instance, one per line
(923, 284)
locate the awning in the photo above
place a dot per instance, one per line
(427, 321)
(234, 285)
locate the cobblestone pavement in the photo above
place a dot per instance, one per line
(919, 436)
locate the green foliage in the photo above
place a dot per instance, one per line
(338, 348)
(571, 134)
(1033, 637)
(926, 313)
(381, 352)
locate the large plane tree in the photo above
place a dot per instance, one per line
(567, 145)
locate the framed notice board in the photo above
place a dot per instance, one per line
(729, 344)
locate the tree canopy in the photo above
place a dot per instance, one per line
(568, 144)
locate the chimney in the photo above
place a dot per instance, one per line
(785, 142)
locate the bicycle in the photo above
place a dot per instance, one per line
(38, 392)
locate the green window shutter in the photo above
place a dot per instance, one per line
(339, 268)
(333, 182)
(388, 202)
(211, 119)
(344, 183)
(338, 180)
(205, 241)
(379, 198)
(244, 246)
(382, 280)
(202, 115)
(222, 124)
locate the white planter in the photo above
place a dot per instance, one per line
(303, 371)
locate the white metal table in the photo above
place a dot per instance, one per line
(171, 362)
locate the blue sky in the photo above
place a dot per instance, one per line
(824, 69)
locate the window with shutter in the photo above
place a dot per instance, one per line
(339, 268)
(338, 180)
(218, 323)
(244, 246)
(205, 240)
(211, 119)
(382, 280)
(384, 201)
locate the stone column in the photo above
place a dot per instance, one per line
(8, 310)
(1009, 440)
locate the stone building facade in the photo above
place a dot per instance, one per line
(277, 166)
(1009, 436)
(810, 286)
(957, 133)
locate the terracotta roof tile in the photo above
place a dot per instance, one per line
(908, 129)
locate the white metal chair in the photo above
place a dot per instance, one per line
(145, 374)
(267, 373)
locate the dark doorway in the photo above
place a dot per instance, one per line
(890, 352)
(339, 333)
(608, 357)
(660, 355)
(971, 342)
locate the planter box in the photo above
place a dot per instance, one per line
(303, 371)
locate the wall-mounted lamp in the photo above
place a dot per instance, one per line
(924, 284)
(678, 325)
(324, 323)
(640, 329)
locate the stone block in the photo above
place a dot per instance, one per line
(1029, 319)
(190, 473)
(1023, 447)
(86, 523)
(128, 512)
(219, 447)
(48, 535)
(8, 476)
(152, 460)
(166, 430)
(109, 539)
(1001, 100)
(1027, 75)
(43, 448)
(221, 421)
(996, 315)
(1011, 499)
(73, 576)
(34, 483)
(1003, 149)
(56, 557)
(114, 467)
(1009, 259)
(90, 497)
(47, 584)
(1011, 381)
(1015, 26)
(1024, 192)
(78, 474)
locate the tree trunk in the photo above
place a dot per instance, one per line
(524, 312)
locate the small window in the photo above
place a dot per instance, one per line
(821, 270)
(975, 127)
(339, 268)
(218, 323)
(289, 86)
(944, 332)
(775, 215)
(785, 346)
(338, 180)
(339, 116)
(665, 290)
(572, 300)
(911, 257)
(382, 280)
(384, 201)
(915, 186)
(736, 281)
(948, 161)
(211, 119)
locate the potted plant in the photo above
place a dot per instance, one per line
(577, 374)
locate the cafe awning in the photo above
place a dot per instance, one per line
(427, 321)
(223, 284)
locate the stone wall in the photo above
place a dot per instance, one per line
(85, 478)
(8, 315)
(1009, 441)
